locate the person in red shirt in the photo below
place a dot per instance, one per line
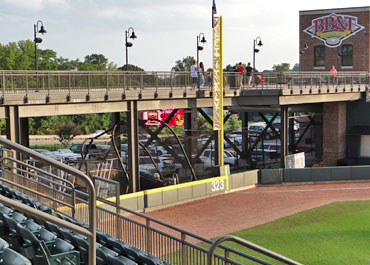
(333, 73)
(240, 69)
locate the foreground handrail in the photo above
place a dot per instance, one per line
(75, 172)
(249, 245)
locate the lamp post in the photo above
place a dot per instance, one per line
(256, 50)
(37, 39)
(202, 39)
(129, 44)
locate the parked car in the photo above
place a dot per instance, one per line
(97, 133)
(94, 149)
(229, 158)
(165, 165)
(46, 152)
(255, 129)
(67, 155)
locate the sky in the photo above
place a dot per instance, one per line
(166, 30)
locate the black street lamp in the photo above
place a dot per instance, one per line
(36, 39)
(202, 39)
(256, 50)
(129, 44)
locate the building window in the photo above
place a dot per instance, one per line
(319, 53)
(347, 55)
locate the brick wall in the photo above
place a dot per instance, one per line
(360, 41)
(334, 132)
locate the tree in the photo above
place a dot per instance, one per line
(283, 67)
(296, 67)
(184, 64)
(130, 67)
(66, 132)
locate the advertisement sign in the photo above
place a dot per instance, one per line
(333, 29)
(295, 161)
(176, 120)
(217, 75)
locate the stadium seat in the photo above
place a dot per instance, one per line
(104, 239)
(60, 252)
(6, 210)
(46, 236)
(142, 257)
(11, 257)
(120, 260)
(3, 244)
(32, 226)
(19, 217)
(119, 246)
(14, 237)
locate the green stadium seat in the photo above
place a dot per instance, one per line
(19, 217)
(14, 237)
(32, 226)
(3, 244)
(11, 257)
(121, 260)
(60, 251)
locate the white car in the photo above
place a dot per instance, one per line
(96, 133)
(165, 165)
(67, 155)
(229, 158)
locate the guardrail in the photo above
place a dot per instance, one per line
(252, 246)
(74, 81)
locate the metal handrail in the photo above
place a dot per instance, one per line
(91, 192)
(72, 81)
(168, 227)
(249, 245)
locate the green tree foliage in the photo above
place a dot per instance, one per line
(283, 67)
(184, 64)
(21, 56)
(130, 67)
(296, 67)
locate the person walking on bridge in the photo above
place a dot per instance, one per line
(194, 75)
(201, 74)
(248, 74)
(240, 69)
(333, 74)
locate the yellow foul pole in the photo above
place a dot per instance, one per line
(218, 105)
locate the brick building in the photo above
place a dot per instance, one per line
(339, 37)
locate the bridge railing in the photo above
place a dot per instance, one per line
(74, 81)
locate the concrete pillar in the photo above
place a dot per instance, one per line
(334, 132)
(190, 126)
(16, 128)
(283, 135)
(245, 141)
(133, 146)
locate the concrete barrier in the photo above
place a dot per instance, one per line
(242, 179)
(326, 173)
(186, 191)
(271, 176)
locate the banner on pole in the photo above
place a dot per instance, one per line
(217, 75)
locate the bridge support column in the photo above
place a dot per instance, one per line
(190, 117)
(283, 135)
(16, 127)
(334, 132)
(133, 146)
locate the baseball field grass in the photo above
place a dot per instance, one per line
(338, 233)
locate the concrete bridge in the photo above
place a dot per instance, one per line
(26, 94)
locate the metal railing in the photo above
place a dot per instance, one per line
(252, 246)
(169, 243)
(76, 81)
(48, 187)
